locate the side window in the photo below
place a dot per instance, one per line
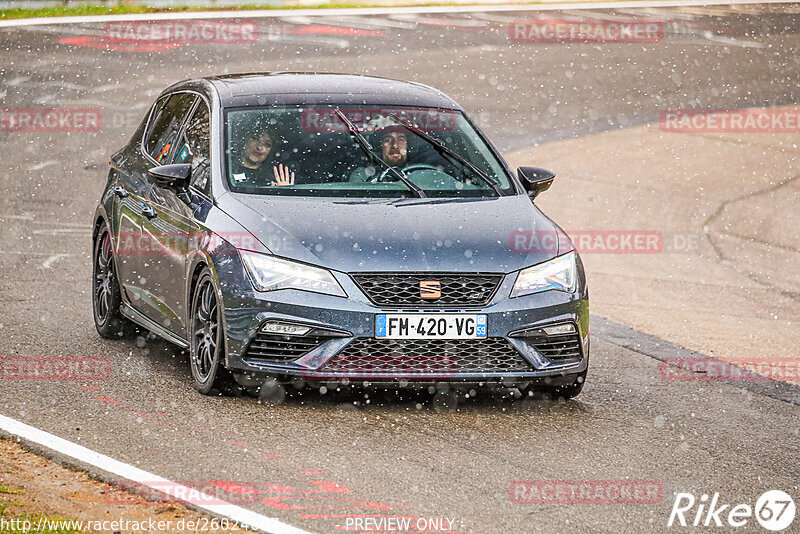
(195, 147)
(166, 125)
(158, 107)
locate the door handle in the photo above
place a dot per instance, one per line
(120, 191)
(148, 211)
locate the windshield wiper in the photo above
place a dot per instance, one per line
(439, 145)
(364, 144)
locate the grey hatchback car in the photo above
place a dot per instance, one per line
(331, 229)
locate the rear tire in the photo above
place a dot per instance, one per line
(207, 340)
(106, 294)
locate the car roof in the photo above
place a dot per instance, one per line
(264, 88)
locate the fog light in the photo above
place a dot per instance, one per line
(567, 328)
(285, 329)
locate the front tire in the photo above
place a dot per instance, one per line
(106, 294)
(207, 340)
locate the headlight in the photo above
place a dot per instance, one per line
(269, 273)
(558, 273)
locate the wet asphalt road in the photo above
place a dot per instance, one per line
(383, 455)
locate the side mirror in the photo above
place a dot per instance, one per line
(535, 180)
(175, 177)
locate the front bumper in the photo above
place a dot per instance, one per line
(353, 320)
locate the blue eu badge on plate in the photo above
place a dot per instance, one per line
(380, 325)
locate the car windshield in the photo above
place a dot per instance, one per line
(310, 151)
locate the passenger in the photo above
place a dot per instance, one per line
(251, 167)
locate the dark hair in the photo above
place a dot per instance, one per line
(379, 133)
(256, 130)
(251, 129)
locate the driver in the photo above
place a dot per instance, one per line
(393, 141)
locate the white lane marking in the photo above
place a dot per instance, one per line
(24, 217)
(43, 220)
(75, 101)
(338, 12)
(79, 87)
(607, 17)
(34, 253)
(134, 474)
(14, 82)
(439, 22)
(377, 23)
(62, 231)
(48, 263)
(43, 165)
(310, 39)
(722, 40)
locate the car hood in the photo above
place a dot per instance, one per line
(352, 235)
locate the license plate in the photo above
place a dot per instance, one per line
(430, 326)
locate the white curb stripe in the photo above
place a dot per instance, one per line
(277, 13)
(40, 437)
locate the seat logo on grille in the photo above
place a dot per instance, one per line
(430, 289)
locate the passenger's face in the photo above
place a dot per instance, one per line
(257, 149)
(394, 148)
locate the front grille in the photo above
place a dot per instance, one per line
(558, 349)
(403, 289)
(274, 348)
(420, 356)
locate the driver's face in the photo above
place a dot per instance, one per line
(394, 148)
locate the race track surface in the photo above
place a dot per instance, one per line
(315, 459)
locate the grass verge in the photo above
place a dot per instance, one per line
(125, 9)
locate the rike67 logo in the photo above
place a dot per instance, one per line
(774, 510)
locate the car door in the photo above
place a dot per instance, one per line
(157, 263)
(174, 230)
(131, 188)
